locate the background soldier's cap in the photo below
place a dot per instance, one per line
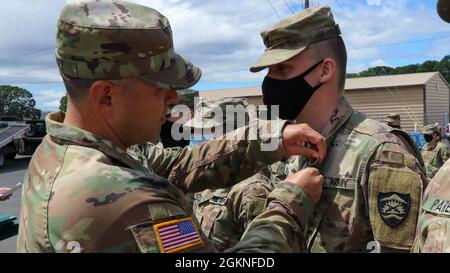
(187, 97)
(431, 129)
(294, 34)
(112, 40)
(210, 113)
(392, 117)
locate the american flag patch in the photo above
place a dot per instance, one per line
(177, 235)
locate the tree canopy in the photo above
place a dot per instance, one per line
(16, 101)
(429, 66)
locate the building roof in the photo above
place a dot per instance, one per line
(414, 79)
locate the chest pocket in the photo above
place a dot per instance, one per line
(435, 226)
(214, 213)
(329, 227)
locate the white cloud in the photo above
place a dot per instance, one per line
(378, 62)
(222, 37)
(48, 99)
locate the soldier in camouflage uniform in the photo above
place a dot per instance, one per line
(393, 120)
(435, 153)
(186, 98)
(84, 193)
(224, 214)
(373, 174)
(434, 221)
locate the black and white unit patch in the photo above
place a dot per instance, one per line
(393, 207)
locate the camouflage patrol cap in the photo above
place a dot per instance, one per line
(113, 40)
(431, 129)
(294, 34)
(392, 118)
(210, 113)
(187, 97)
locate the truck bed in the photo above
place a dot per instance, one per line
(11, 132)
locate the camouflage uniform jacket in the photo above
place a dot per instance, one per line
(434, 221)
(434, 157)
(374, 179)
(224, 214)
(84, 194)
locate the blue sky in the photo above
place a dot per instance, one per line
(222, 37)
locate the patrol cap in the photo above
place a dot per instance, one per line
(206, 113)
(294, 34)
(431, 129)
(392, 118)
(187, 97)
(113, 40)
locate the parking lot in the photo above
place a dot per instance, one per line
(10, 174)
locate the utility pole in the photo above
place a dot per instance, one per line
(306, 4)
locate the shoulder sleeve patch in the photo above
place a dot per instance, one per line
(176, 235)
(394, 203)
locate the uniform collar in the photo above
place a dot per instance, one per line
(339, 117)
(70, 135)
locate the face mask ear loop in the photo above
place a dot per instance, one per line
(304, 74)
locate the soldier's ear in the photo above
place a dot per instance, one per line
(328, 70)
(100, 97)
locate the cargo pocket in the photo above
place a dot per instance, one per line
(332, 217)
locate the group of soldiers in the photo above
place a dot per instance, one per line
(336, 181)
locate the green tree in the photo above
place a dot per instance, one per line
(429, 66)
(16, 101)
(444, 67)
(63, 104)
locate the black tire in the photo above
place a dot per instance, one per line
(10, 156)
(31, 131)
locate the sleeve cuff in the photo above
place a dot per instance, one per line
(271, 135)
(295, 200)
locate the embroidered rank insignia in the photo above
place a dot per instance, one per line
(177, 235)
(393, 207)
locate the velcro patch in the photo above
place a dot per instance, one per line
(176, 235)
(394, 203)
(392, 157)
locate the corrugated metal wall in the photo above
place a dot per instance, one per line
(437, 101)
(376, 103)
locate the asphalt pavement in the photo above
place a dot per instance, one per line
(12, 173)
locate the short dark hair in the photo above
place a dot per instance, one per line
(76, 88)
(334, 49)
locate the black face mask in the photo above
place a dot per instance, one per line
(428, 138)
(396, 126)
(291, 95)
(167, 139)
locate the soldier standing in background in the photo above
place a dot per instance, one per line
(393, 120)
(224, 214)
(435, 153)
(187, 98)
